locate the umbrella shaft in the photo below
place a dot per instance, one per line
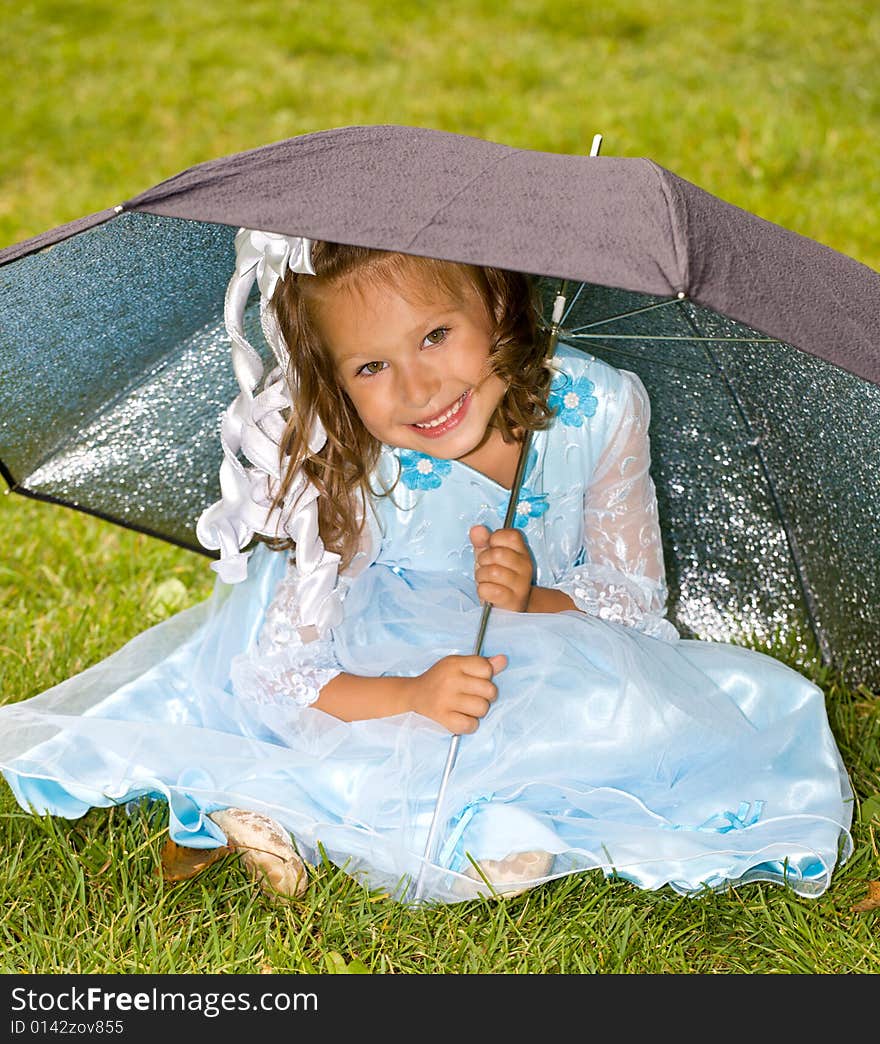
(509, 517)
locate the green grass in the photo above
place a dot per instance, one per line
(772, 106)
(88, 898)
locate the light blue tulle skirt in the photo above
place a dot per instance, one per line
(691, 764)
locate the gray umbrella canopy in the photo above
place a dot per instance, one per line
(760, 349)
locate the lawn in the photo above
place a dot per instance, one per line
(773, 107)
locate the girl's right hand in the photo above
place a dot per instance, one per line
(457, 691)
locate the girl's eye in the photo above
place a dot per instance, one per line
(437, 336)
(370, 369)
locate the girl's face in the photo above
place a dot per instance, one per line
(416, 367)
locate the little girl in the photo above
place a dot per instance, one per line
(314, 696)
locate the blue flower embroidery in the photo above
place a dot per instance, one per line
(530, 505)
(419, 471)
(572, 400)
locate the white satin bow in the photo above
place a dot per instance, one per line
(273, 254)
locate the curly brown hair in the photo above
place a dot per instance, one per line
(341, 470)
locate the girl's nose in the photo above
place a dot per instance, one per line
(418, 385)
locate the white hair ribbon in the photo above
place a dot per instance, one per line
(252, 427)
(272, 254)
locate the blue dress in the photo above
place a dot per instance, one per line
(613, 744)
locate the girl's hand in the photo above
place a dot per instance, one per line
(503, 567)
(457, 691)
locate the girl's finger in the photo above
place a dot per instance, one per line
(495, 594)
(476, 667)
(509, 591)
(461, 724)
(499, 662)
(496, 574)
(479, 670)
(505, 556)
(512, 538)
(474, 706)
(479, 537)
(476, 689)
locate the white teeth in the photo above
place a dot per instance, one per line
(454, 408)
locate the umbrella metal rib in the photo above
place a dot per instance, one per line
(510, 514)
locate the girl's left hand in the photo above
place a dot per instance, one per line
(503, 567)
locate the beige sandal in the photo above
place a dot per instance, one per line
(514, 874)
(266, 850)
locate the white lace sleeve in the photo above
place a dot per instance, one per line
(622, 578)
(281, 667)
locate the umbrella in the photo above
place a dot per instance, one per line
(758, 348)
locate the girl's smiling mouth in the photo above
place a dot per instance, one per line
(446, 420)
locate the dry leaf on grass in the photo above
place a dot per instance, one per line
(180, 864)
(871, 900)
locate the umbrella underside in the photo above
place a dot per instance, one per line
(765, 458)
